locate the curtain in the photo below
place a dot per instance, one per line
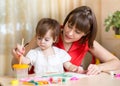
(18, 19)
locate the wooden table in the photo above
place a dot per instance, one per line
(103, 79)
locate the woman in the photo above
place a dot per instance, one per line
(78, 37)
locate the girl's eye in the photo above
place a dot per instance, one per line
(39, 38)
(46, 39)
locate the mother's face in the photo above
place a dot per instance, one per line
(71, 34)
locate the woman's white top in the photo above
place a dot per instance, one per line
(53, 63)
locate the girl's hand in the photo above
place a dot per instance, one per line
(79, 69)
(93, 69)
(18, 51)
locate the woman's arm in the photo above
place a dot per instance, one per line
(31, 45)
(109, 61)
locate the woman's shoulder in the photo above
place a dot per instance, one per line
(96, 47)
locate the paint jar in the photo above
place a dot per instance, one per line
(20, 70)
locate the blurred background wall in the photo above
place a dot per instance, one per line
(18, 19)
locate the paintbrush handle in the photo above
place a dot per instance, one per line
(22, 45)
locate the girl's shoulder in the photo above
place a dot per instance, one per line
(58, 50)
(35, 50)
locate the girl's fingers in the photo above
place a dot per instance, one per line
(15, 53)
(20, 49)
(81, 70)
(93, 69)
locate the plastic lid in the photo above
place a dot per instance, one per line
(20, 66)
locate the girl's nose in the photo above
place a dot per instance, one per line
(42, 41)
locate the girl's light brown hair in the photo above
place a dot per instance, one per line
(46, 24)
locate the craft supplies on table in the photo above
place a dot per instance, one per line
(56, 78)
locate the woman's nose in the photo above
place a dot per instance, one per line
(71, 32)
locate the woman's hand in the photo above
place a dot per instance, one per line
(93, 69)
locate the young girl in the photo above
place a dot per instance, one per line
(47, 58)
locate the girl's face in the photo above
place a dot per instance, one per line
(46, 41)
(71, 34)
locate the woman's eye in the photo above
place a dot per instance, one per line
(70, 26)
(77, 31)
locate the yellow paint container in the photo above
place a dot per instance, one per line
(21, 70)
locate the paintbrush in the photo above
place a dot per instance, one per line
(22, 45)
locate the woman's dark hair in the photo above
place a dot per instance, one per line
(84, 20)
(46, 24)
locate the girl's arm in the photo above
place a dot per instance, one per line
(25, 60)
(32, 44)
(73, 68)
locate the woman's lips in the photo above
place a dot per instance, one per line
(67, 37)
